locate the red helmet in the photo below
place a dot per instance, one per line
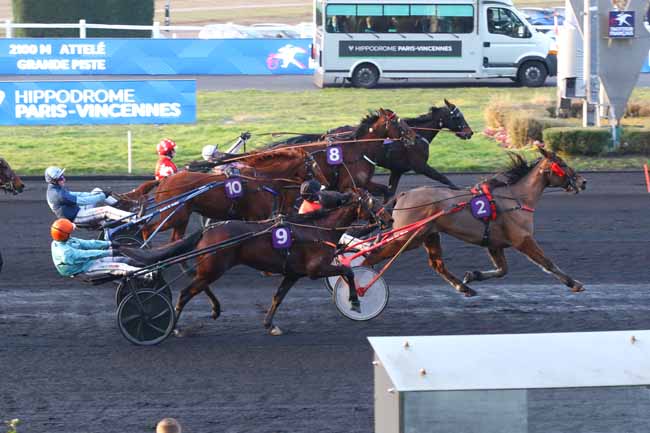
(166, 146)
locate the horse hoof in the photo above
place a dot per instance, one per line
(470, 276)
(275, 331)
(355, 306)
(467, 292)
(215, 314)
(577, 287)
(179, 333)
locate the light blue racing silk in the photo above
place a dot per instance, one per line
(75, 255)
(65, 204)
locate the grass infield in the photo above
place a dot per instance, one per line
(223, 115)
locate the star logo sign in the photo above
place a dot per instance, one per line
(622, 18)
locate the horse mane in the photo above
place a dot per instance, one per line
(517, 169)
(424, 118)
(365, 124)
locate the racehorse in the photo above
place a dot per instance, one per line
(402, 156)
(361, 147)
(514, 202)
(310, 240)
(271, 184)
(10, 182)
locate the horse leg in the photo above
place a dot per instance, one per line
(532, 250)
(434, 174)
(328, 270)
(394, 181)
(280, 293)
(194, 288)
(432, 245)
(500, 263)
(216, 306)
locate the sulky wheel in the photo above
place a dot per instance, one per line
(131, 241)
(372, 302)
(330, 282)
(159, 285)
(145, 317)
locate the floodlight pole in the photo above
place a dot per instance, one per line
(590, 111)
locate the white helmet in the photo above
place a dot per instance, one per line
(209, 151)
(53, 174)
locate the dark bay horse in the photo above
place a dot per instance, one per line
(515, 198)
(10, 182)
(271, 183)
(362, 146)
(401, 156)
(310, 253)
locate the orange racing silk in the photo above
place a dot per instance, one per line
(309, 206)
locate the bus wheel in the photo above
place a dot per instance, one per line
(532, 74)
(365, 75)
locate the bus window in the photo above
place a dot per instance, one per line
(370, 19)
(341, 18)
(455, 18)
(319, 15)
(399, 19)
(504, 22)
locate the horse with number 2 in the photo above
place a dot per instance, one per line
(495, 214)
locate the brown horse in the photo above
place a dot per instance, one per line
(10, 182)
(515, 200)
(310, 253)
(271, 183)
(399, 157)
(362, 147)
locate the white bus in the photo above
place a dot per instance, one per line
(364, 40)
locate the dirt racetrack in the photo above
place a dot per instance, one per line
(64, 367)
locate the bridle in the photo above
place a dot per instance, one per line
(570, 180)
(375, 217)
(403, 132)
(312, 167)
(456, 119)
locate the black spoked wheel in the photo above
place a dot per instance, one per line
(132, 241)
(365, 75)
(159, 285)
(145, 317)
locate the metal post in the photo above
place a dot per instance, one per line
(156, 30)
(167, 13)
(590, 115)
(82, 29)
(9, 29)
(129, 147)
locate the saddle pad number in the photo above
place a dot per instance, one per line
(334, 155)
(281, 238)
(234, 187)
(481, 207)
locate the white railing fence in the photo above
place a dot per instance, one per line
(156, 29)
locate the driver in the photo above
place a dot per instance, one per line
(211, 153)
(79, 206)
(93, 258)
(166, 150)
(315, 199)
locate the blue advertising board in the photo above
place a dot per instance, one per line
(28, 56)
(97, 102)
(621, 24)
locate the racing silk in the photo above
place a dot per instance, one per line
(75, 255)
(165, 167)
(309, 206)
(65, 204)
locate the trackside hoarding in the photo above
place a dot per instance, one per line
(35, 56)
(97, 102)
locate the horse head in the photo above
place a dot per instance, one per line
(452, 118)
(9, 181)
(559, 174)
(370, 209)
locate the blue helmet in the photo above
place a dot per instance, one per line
(53, 174)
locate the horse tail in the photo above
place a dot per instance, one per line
(154, 255)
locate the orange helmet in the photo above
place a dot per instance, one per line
(166, 146)
(61, 229)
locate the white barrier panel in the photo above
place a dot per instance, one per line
(570, 382)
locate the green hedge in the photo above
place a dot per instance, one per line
(578, 141)
(136, 12)
(635, 141)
